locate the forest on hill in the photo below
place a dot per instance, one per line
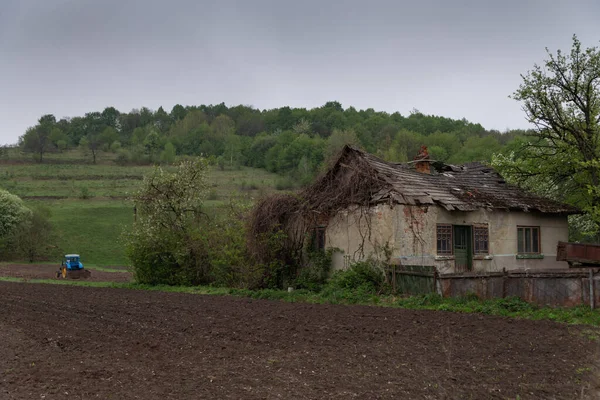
(289, 141)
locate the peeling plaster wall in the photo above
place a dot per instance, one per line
(410, 232)
(349, 231)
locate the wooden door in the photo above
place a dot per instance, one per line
(463, 259)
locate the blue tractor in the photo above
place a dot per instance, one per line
(72, 268)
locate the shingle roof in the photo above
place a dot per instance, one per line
(466, 188)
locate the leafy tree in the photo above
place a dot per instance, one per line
(115, 146)
(561, 98)
(233, 147)
(152, 144)
(178, 112)
(12, 212)
(223, 126)
(162, 120)
(91, 144)
(477, 149)
(108, 136)
(110, 117)
(37, 139)
(405, 146)
(302, 126)
(250, 124)
(258, 149)
(146, 116)
(187, 124)
(168, 154)
(56, 136)
(164, 244)
(338, 139)
(138, 135)
(32, 238)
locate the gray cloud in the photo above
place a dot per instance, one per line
(451, 58)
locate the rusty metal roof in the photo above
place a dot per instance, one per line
(466, 187)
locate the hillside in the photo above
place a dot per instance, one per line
(89, 203)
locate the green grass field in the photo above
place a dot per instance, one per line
(89, 203)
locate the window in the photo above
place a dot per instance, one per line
(319, 238)
(480, 239)
(444, 239)
(528, 238)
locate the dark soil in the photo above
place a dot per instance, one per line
(87, 343)
(48, 271)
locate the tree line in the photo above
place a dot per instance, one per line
(288, 141)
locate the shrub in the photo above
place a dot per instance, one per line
(313, 276)
(364, 275)
(123, 157)
(32, 238)
(285, 183)
(84, 193)
(245, 186)
(212, 195)
(115, 146)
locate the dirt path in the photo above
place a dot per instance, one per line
(47, 271)
(85, 343)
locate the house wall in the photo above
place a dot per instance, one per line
(410, 233)
(360, 233)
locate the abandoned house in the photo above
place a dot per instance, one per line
(456, 218)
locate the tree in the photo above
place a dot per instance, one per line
(223, 126)
(476, 149)
(168, 154)
(561, 98)
(162, 120)
(32, 237)
(178, 112)
(152, 144)
(110, 117)
(93, 143)
(12, 212)
(37, 139)
(57, 136)
(338, 139)
(233, 146)
(164, 245)
(107, 137)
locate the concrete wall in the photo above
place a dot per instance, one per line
(410, 233)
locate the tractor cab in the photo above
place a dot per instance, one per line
(72, 268)
(71, 261)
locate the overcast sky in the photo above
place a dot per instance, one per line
(454, 58)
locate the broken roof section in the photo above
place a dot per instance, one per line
(464, 188)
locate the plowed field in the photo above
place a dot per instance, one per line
(62, 342)
(46, 271)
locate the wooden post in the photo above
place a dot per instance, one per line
(504, 282)
(592, 294)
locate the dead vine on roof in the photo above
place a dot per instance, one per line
(350, 182)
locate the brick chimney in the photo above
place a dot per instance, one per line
(422, 161)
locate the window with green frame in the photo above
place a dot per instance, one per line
(528, 240)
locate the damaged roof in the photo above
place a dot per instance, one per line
(465, 188)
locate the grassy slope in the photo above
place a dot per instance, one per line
(92, 226)
(92, 229)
